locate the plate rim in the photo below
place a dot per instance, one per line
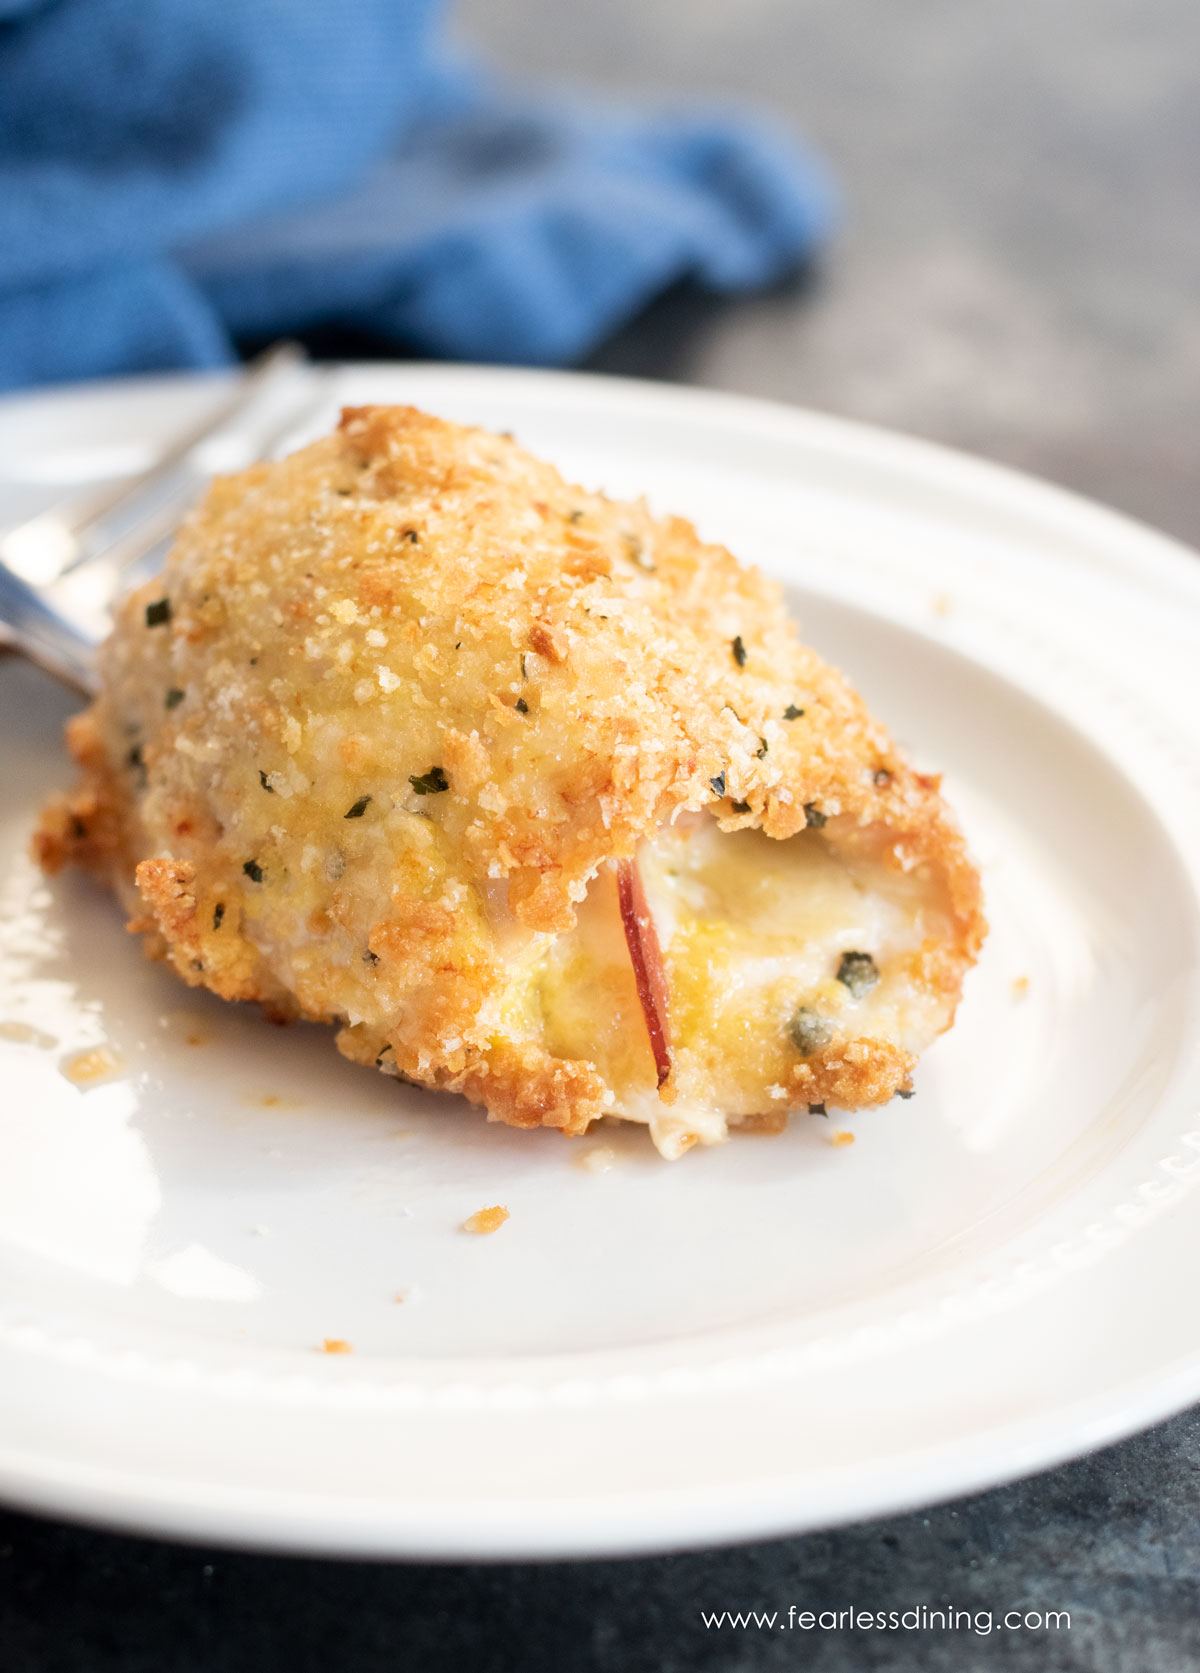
(312, 1524)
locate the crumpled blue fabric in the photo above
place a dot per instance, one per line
(178, 174)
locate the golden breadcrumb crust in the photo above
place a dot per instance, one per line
(393, 702)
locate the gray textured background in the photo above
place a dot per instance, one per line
(1018, 273)
(1018, 270)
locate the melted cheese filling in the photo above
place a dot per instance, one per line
(751, 930)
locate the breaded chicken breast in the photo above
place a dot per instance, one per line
(534, 796)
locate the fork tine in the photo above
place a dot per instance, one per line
(260, 372)
(57, 540)
(60, 624)
(100, 575)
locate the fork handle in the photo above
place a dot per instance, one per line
(55, 643)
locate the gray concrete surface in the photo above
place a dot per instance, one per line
(1018, 270)
(1114, 1540)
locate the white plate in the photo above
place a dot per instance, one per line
(765, 1337)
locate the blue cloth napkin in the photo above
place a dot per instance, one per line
(175, 174)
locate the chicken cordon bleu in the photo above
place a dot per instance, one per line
(533, 795)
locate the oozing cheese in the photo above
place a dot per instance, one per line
(751, 930)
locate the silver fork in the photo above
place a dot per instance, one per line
(62, 570)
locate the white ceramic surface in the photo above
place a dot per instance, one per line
(768, 1336)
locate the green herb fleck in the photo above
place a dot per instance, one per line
(253, 871)
(740, 807)
(718, 784)
(524, 669)
(813, 816)
(158, 612)
(810, 1030)
(637, 552)
(792, 712)
(905, 1092)
(370, 958)
(431, 783)
(174, 698)
(342, 493)
(218, 914)
(739, 652)
(817, 1109)
(522, 706)
(762, 750)
(575, 517)
(262, 779)
(410, 534)
(858, 972)
(359, 808)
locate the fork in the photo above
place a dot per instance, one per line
(63, 569)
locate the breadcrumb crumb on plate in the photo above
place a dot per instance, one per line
(90, 1067)
(597, 1158)
(24, 1033)
(485, 1221)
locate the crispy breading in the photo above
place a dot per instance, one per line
(408, 693)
